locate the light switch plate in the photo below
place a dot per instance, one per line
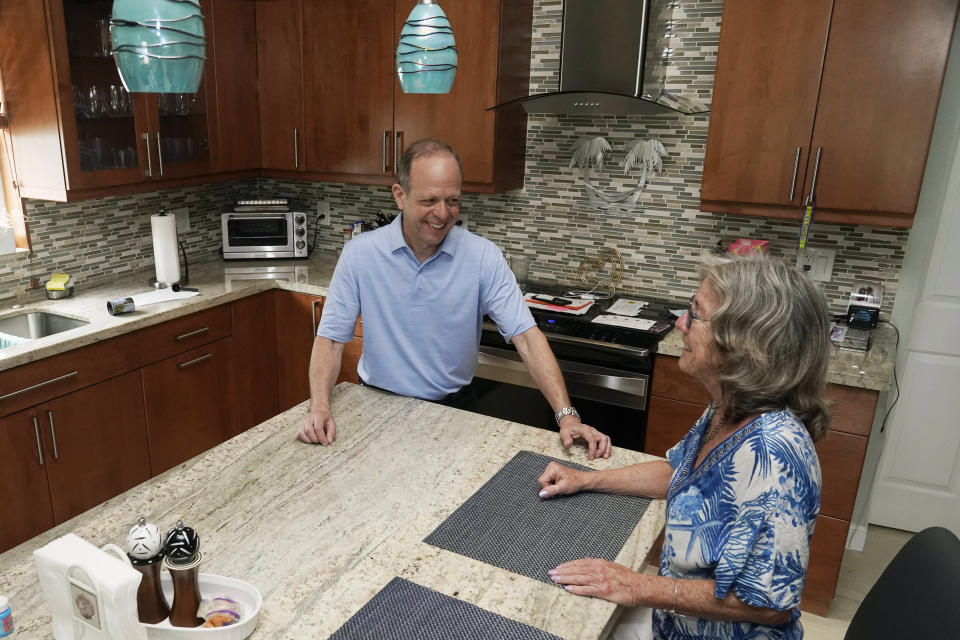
(183, 219)
(817, 261)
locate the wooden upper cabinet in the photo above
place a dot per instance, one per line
(348, 79)
(882, 76)
(231, 32)
(858, 80)
(358, 121)
(75, 131)
(764, 101)
(280, 72)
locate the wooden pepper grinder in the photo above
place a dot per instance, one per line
(145, 550)
(183, 557)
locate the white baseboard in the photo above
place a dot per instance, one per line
(856, 536)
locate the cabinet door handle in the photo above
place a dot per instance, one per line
(53, 435)
(36, 431)
(793, 181)
(396, 148)
(37, 386)
(184, 365)
(383, 151)
(190, 334)
(159, 154)
(313, 322)
(146, 138)
(813, 183)
(296, 148)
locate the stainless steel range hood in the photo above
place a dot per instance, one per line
(614, 59)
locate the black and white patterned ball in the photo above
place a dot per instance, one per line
(144, 540)
(182, 544)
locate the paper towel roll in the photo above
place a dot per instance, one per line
(165, 254)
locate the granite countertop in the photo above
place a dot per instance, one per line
(319, 530)
(871, 369)
(219, 282)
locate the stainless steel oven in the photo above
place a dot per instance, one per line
(261, 229)
(608, 383)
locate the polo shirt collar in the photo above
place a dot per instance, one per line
(449, 245)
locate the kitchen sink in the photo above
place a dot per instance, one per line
(34, 324)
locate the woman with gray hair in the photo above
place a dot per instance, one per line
(743, 486)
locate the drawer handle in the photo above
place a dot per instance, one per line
(37, 386)
(53, 435)
(191, 334)
(793, 181)
(184, 365)
(36, 431)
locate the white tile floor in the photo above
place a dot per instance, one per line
(858, 573)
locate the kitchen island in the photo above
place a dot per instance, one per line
(319, 530)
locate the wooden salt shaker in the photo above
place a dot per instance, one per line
(145, 550)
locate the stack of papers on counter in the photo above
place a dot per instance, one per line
(625, 321)
(577, 306)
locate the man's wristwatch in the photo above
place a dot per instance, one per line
(566, 411)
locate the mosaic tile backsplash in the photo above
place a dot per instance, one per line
(661, 240)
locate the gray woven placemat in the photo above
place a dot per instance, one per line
(506, 524)
(403, 610)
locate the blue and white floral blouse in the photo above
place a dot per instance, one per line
(744, 518)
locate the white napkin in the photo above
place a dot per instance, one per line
(160, 295)
(116, 581)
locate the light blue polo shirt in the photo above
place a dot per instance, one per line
(421, 322)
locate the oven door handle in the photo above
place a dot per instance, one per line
(506, 366)
(266, 216)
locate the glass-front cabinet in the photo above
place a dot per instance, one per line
(121, 137)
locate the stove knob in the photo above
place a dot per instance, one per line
(301, 244)
(300, 219)
(300, 231)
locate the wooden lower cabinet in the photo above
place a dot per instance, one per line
(677, 400)
(70, 454)
(189, 403)
(255, 360)
(826, 555)
(667, 423)
(297, 316)
(27, 506)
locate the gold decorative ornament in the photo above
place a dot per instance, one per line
(604, 271)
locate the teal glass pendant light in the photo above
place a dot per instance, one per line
(426, 53)
(159, 45)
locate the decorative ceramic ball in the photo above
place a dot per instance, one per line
(182, 545)
(144, 542)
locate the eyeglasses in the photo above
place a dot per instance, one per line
(692, 314)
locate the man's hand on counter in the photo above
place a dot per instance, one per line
(318, 428)
(598, 444)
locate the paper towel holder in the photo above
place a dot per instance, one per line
(184, 279)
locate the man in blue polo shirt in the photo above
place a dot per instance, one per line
(423, 285)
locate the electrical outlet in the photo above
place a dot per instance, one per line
(463, 220)
(183, 219)
(817, 261)
(323, 213)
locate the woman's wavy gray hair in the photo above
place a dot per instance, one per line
(771, 330)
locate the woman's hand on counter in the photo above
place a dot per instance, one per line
(558, 480)
(599, 579)
(318, 428)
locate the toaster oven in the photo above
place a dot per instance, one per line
(263, 229)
